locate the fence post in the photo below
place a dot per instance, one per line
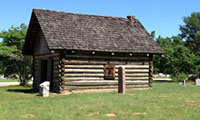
(121, 80)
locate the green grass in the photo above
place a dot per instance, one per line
(9, 80)
(165, 101)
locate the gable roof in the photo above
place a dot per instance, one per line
(70, 31)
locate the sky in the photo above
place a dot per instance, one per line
(163, 16)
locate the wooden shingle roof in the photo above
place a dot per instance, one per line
(69, 31)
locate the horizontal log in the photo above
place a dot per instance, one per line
(87, 62)
(84, 70)
(135, 75)
(109, 81)
(137, 78)
(101, 75)
(76, 80)
(100, 78)
(88, 87)
(81, 78)
(135, 70)
(84, 75)
(102, 87)
(107, 58)
(85, 66)
(101, 70)
(101, 66)
(77, 62)
(133, 66)
(130, 63)
(99, 83)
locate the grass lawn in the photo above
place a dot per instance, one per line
(8, 80)
(165, 101)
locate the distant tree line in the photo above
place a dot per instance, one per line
(182, 52)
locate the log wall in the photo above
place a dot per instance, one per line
(55, 70)
(80, 74)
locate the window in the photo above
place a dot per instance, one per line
(109, 72)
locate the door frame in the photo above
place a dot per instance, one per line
(49, 71)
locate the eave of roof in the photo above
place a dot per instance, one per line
(72, 31)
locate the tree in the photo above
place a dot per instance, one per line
(1, 68)
(178, 59)
(11, 53)
(153, 33)
(191, 32)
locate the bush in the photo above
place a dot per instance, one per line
(180, 77)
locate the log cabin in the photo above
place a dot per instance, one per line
(80, 52)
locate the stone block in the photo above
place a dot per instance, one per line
(197, 81)
(44, 89)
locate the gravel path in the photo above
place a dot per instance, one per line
(162, 79)
(4, 84)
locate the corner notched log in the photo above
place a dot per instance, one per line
(151, 71)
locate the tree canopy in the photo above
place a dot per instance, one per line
(190, 31)
(12, 60)
(182, 52)
(178, 59)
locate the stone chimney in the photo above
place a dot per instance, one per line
(132, 18)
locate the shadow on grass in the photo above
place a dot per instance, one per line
(162, 81)
(28, 91)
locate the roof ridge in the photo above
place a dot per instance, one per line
(82, 14)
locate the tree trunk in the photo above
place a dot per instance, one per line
(24, 81)
(177, 77)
